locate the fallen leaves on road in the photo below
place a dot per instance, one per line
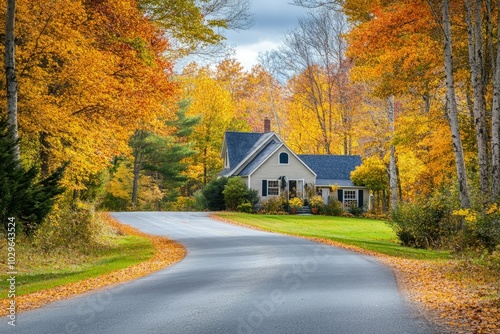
(167, 253)
(459, 297)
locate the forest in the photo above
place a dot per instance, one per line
(104, 120)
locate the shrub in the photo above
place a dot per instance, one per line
(213, 194)
(333, 208)
(316, 201)
(296, 203)
(236, 193)
(184, 204)
(73, 226)
(273, 205)
(200, 203)
(481, 228)
(424, 225)
(245, 207)
(253, 197)
(355, 210)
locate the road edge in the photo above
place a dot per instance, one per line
(168, 252)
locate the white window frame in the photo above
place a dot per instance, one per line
(350, 197)
(226, 161)
(276, 189)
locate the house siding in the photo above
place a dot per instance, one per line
(271, 169)
(365, 195)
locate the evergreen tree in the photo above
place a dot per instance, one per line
(162, 156)
(23, 198)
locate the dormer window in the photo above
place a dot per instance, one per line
(283, 158)
(226, 160)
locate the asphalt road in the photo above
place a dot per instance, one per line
(236, 280)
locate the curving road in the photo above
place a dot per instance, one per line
(236, 280)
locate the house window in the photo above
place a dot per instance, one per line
(283, 158)
(350, 198)
(226, 160)
(272, 188)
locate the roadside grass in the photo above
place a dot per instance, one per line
(41, 271)
(369, 234)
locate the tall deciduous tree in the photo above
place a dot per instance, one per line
(393, 178)
(478, 80)
(312, 57)
(451, 104)
(10, 73)
(198, 26)
(213, 103)
(495, 123)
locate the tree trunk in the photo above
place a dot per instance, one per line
(495, 125)
(44, 154)
(10, 72)
(451, 104)
(475, 46)
(205, 167)
(393, 184)
(138, 157)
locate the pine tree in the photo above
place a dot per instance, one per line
(23, 197)
(162, 156)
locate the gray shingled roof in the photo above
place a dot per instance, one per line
(260, 158)
(239, 145)
(332, 169)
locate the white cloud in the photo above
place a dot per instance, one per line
(247, 54)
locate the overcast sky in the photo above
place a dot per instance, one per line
(272, 19)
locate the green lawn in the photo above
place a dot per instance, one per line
(128, 250)
(369, 234)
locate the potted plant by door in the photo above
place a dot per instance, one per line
(295, 203)
(316, 202)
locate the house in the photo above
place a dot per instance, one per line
(266, 164)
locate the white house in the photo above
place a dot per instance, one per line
(269, 166)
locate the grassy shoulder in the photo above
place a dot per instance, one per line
(120, 253)
(46, 271)
(368, 234)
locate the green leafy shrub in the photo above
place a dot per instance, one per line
(481, 228)
(424, 225)
(245, 207)
(355, 210)
(234, 193)
(214, 198)
(200, 203)
(333, 208)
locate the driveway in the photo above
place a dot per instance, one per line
(237, 280)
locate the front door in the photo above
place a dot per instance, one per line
(296, 188)
(325, 194)
(292, 187)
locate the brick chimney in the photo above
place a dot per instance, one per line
(267, 125)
